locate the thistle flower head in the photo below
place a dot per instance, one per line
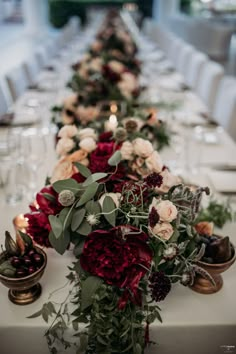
(66, 198)
(92, 219)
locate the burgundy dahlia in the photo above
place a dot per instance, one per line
(160, 286)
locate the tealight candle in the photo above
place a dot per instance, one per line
(112, 123)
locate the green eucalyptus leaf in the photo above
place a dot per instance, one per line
(49, 197)
(60, 244)
(77, 219)
(84, 228)
(115, 159)
(93, 207)
(67, 184)
(79, 248)
(56, 224)
(88, 194)
(94, 178)
(88, 289)
(175, 236)
(138, 349)
(83, 170)
(107, 207)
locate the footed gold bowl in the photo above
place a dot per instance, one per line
(24, 290)
(204, 286)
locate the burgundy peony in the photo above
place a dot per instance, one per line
(39, 227)
(105, 137)
(49, 206)
(120, 256)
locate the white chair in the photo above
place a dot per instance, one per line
(3, 103)
(208, 83)
(184, 59)
(174, 53)
(32, 68)
(224, 111)
(194, 70)
(17, 81)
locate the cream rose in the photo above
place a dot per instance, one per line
(166, 210)
(64, 169)
(87, 133)
(96, 64)
(114, 196)
(64, 146)
(87, 114)
(88, 144)
(154, 162)
(68, 131)
(116, 66)
(142, 148)
(164, 230)
(127, 150)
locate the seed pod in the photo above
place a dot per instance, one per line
(11, 246)
(20, 243)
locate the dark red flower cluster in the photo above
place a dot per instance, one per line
(160, 286)
(120, 256)
(38, 223)
(153, 217)
(111, 75)
(154, 180)
(99, 160)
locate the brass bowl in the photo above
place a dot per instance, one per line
(25, 290)
(204, 286)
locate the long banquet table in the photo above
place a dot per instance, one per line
(192, 323)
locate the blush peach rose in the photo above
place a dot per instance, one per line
(64, 169)
(164, 230)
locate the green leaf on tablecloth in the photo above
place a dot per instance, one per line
(60, 244)
(88, 194)
(36, 314)
(108, 206)
(77, 219)
(94, 178)
(83, 170)
(93, 207)
(67, 184)
(56, 224)
(84, 229)
(115, 159)
(88, 289)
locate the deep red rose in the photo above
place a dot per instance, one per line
(48, 206)
(39, 227)
(99, 160)
(120, 256)
(105, 137)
